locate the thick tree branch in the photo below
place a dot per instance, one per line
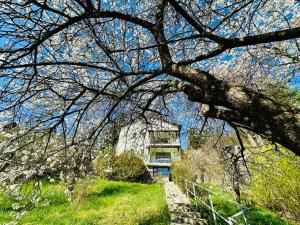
(229, 43)
(274, 36)
(247, 41)
(158, 33)
(241, 106)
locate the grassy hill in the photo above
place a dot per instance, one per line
(98, 202)
(223, 204)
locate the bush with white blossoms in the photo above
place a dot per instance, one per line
(33, 157)
(24, 158)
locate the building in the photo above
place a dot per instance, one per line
(158, 143)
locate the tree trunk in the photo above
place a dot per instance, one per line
(240, 106)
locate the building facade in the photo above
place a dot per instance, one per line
(157, 143)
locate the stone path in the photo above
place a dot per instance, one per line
(180, 208)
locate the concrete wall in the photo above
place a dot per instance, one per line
(135, 137)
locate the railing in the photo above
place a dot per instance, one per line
(190, 189)
(162, 142)
(161, 160)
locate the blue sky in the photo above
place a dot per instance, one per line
(186, 121)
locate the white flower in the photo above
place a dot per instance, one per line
(16, 206)
(52, 180)
(13, 187)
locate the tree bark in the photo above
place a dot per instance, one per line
(240, 106)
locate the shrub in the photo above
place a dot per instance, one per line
(182, 169)
(128, 167)
(275, 183)
(100, 167)
(201, 165)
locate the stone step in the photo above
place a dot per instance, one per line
(185, 220)
(179, 224)
(187, 214)
(176, 209)
(184, 207)
(182, 204)
(179, 205)
(194, 208)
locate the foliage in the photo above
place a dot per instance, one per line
(103, 161)
(75, 69)
(182, 168)
(202, 165)
(98, 202)
(195, 138)
(110, 141)
(100, 167)
(273, 185)
(235, 168)
(261, 216)
(223, 203)
(255, 215)
(128, 167)
(275, 181)
(283, 93)
(32, 160)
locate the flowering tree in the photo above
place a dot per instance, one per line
(72, 68)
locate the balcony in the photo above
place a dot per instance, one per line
(162, 160)
(164, 138)
(164, 163)
(164, 143)
(161, 140)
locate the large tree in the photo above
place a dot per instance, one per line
(75, 66)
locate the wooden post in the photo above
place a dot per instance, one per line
(212, 209)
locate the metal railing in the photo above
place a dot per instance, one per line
(175, 142)
(166, 160)
(190, 189)
(161, 141)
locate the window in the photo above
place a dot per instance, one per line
(160, 155)
(163, 136)
(163, 157)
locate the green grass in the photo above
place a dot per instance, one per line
(101, 202)
(255, 215)
(261, 216)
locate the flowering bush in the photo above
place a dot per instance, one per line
(24, 157)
